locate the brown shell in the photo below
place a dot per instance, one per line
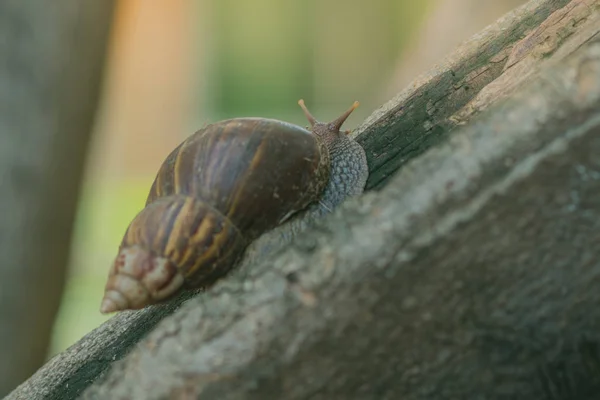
(255, 171)
(202, 243)
(214, 194)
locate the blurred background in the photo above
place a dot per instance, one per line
(173, 66)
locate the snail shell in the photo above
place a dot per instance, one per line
(219, 190)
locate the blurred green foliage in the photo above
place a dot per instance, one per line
(268, 54)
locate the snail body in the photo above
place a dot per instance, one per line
(219, 191)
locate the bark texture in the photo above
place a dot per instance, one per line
(52, 61)
(446, 25)
(472, 272)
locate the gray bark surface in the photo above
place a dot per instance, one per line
(51, 66)
(422, 115)
(473, 272)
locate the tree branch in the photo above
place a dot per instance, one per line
(471, 272)
(421, 116)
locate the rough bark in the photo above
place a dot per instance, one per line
(422, 115)
(472, 272)
(52, 59)
(445, 26)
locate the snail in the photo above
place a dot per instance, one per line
(219, 191)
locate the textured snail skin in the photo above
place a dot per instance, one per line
(245, 185)
(349, 174)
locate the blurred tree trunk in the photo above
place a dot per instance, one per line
(50, 74)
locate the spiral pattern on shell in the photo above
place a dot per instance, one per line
(219, 190)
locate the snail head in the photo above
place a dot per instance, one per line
(329, 131)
